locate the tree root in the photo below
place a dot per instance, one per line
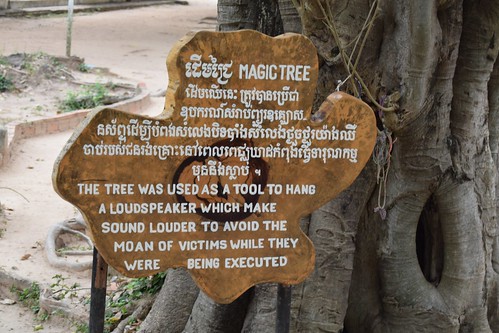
(170, 312)
(139, 313)
(50, 305)
(67, 226)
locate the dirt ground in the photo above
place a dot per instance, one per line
(133, 44)
(40, 85)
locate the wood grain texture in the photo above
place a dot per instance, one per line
(326, 176)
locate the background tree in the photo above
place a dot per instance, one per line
(412, 245)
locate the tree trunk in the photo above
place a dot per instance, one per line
(413, 244)
(261, 15)
(172, 307)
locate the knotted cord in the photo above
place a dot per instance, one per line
(381, 157)
(351, 68)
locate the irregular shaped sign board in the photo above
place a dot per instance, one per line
(220, 186)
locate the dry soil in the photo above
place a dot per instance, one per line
(133, 44)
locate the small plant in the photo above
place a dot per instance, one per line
(61, 251)
(56, 63)
(118, 304)
(29, 297)
(150, 285)
(42, 316)
(3, 60)
(38, 327)
(84, 68)
(3, 221)
(80, 328)
(90, 97)
(61, 290)
(5, 83)
(30, 59)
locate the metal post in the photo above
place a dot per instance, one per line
(283, 308)
(70, 28)
(98, 294)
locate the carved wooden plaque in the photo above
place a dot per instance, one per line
(218, 187)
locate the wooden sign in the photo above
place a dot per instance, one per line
(218, 182)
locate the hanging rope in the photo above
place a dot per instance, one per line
(359, 42)
(384, 143)
(381, 157)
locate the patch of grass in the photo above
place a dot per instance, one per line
(5, 83)
(88, 98)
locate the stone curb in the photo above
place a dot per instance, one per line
(11, 280)
(38, 11)
(8, 280)
(19, 130)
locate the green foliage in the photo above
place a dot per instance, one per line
(150, 285)
(63, 250)
(3, 221)
(56, 63)
(134, 289)
(38, 327)
(90, 97)
(29, 297)
(83, 68)
(43, 316)
(118, 304)
(61, 290)
(81, 328)
(5, 83)
(30, 59)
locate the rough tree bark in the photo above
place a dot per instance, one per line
(261, 15)
(413, 244)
